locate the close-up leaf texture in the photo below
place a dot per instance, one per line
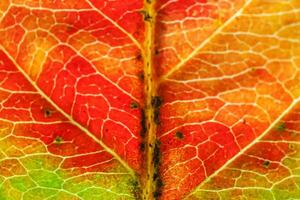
(149, 99)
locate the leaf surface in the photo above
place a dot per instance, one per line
(165, 99)
(69, 75)
(224, 96)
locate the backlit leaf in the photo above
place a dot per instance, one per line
(154, 99)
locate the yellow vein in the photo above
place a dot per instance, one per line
(68, 116)
(116, 25)
(205, 42)
(279, 118)
(4, 13)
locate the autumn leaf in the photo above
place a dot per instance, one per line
(165, 99)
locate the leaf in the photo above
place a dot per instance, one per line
(226, 93)
(68, 77)
(165, 99)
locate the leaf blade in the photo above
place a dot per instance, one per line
(218, 99)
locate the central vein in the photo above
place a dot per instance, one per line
(149, 181)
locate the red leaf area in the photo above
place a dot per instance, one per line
(26, 107)
(82, 73)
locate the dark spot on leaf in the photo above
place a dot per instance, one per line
(143, 130)
(156, 175)
(139, 57)
(156, 52)
(179, 135)
(47, 112)
(146, 15)
(156, 116)
(280, 127)
(156, 153)
(160, 183)
(142, 76)
(142, 147)
(156, 101)
(291, 146)
(135, 188)
(134, 105)
(158, 188)
(58, 140)
(70, 29)
(266, 163)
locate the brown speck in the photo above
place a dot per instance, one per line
(143, 130)
(156, 153)
(156, 101)
(58, 140)
(134, 105)
(266, 163)
(139, 57)
(147, 16)
(142, 147)
(179, 135)
(47, 112)
(291, 146)
(142, 76)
